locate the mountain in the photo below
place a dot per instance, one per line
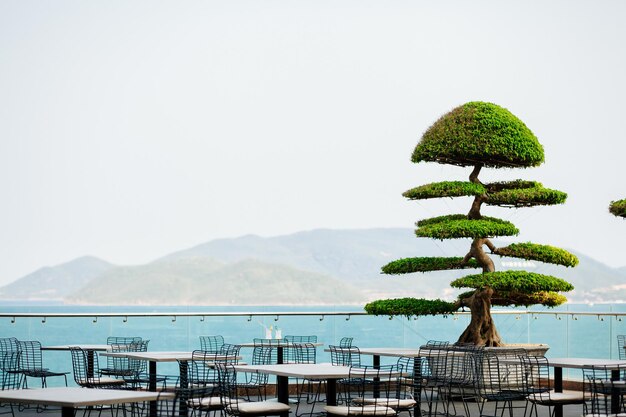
(312, 267)
(55, 282)
(204, 281)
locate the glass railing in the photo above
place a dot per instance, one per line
(570, 331)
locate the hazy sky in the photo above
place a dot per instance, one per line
(130, 129)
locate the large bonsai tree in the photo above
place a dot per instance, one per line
(618, 208)
(481, 135)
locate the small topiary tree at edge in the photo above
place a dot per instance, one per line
(618, 208)
(481, 135)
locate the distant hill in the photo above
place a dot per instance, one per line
(312, 267)
(204, 281)
(55, 282)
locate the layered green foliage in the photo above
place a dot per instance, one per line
(509, 299)
(459, 226)
(536, 252)
(479, 133)
(526, 197)
(410, 265)
(410, 307)
(618, 208)
(513, 281)
(445, 189)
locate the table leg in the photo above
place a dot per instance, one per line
(558, 387)
(331, 392)
(615, 394)
(67, 411)
(282, 388)
(376, 363)
(152, 369)
(417, 383)
(90, 364)
(279, 355)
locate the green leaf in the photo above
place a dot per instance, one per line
(536, 252)
(459, 226)
(519, 281)
(410, 265)
(618, 208)
(410, 307)
(445, 189)
(479, 133)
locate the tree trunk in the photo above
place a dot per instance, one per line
(481, 330)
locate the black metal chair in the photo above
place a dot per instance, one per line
(255, 381)
(308, 390)
(234, 405)
(345, 356)
(346, 341)
(501, 382)
(539, 388)
(87, 371)
(10, 375)
(31, 364)
(211, 343)
(621, 346)
(369, 399)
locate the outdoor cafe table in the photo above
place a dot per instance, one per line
(153, 358)
(283, 372)
(583, 363)
(280, 345)
(70, 398)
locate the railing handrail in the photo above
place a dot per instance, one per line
(288, 313)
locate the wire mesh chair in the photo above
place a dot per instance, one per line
(346, 341)
(435, 383)
(87, 371)
(603, 391)
(308, 390)
(621, 346)
(539, 387)
(119, 367)
(211, 343)
(9, 344)
(367, 399)
(409, 384)
(31, 364)
(10, 375)
(345, 356)
(234, 405)
(255, 381)
(288, 354)
(501, 381)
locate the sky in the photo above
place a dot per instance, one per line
(132, 129)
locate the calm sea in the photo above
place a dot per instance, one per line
(589, 334)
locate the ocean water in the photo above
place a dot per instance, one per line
(592, 333)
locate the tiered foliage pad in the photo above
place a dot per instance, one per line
(457, 226)
(618, 208)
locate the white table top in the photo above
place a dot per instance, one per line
(279, 343)
(393, 352)
(77, 397)
(83, 346)
(155, 356)
(296, 370)
(585, 363)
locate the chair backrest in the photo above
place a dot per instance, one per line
(228, 388)
(211, 343)
(345, 356)
(122, 340)
(9, 344)
(231, 352)
(303, 353)
(31, 358)
(362, 387)
(137, 366)
(346, 341)
(301, 339)
(621, 346)
(598, 389)
(86, 368)
(270, 348)
(10, 373)
(501, 376)
(536, 373)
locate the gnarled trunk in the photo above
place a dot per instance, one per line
(481, 330)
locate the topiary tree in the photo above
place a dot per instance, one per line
(618, 208)
(481, 135)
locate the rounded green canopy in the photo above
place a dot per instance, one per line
(479, 133)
